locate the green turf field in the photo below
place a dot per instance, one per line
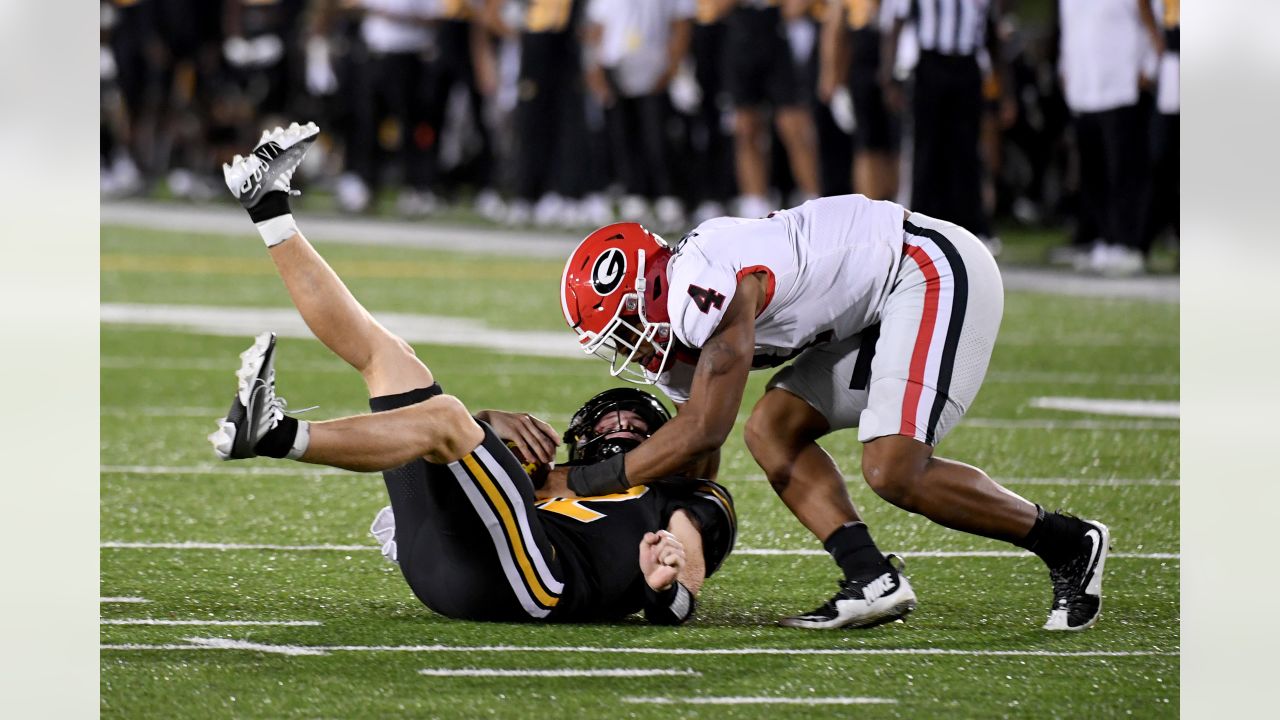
(187, 534)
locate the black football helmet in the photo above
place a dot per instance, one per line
(586, 445)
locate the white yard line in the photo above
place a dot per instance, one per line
(1080, 378)
(123, 600)
(1052, 424)
(1065, 481)
(762, 700)
(212, 414)
(153, 363)
(228, 219)
(233, 546)
(286, 322)
(197, 643)
(564, 673)
(1086, 340)
(296, 470)
(229, 644)
(290, 470)
(109, 545)
(443, 330)
(220, 623)
(1109, 406)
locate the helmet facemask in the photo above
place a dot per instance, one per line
(614, 421)
(629, 332)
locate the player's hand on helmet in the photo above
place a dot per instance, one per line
(534, 438)
(661, 559)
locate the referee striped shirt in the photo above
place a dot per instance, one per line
(948, 27)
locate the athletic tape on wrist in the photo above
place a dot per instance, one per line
(277, 229)
(602, 478)
(301, 441)
(672, 606)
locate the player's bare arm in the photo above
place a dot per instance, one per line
(707, 418)
(674, 568)
(707, 466)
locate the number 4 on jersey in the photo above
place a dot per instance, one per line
(705, 298)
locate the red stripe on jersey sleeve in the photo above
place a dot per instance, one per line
(771, 285)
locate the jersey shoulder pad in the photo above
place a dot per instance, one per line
(700, 292)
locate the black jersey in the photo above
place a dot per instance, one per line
(597, 540)
(474, 544)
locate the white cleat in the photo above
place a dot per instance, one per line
(862, 603)
(255, 409)
(269, 168)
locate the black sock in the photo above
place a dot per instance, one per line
(273, 204)
(854, 551)
(279, 440)
(1054, 537)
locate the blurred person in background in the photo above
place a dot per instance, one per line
(261, 77)
(1103, 43)
(851, 55)
(947, 105)
(633, 52)
(833, 121)
(1034, 152)
(389, 81)
(1165, 130)
(454, 101)
(118, 171)
(549, 126)
(134, 67)
(762, 78)
(710, 135)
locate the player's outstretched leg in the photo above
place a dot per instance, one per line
(256, 424)
(1077, 581)
(862, 603)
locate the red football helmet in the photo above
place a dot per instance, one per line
(614, 296)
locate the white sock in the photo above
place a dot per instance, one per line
(302, 440)
(277, 229)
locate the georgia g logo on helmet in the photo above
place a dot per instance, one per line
(608, 272)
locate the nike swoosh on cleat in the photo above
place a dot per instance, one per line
(1096, 538)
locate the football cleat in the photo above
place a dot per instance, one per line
(270, 166)
(863, 603)
(1077, 583)
(255, 410)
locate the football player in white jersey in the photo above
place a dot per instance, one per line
(887, 318)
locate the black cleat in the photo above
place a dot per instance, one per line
(863, 603)
(255, 409)
(1077, 583)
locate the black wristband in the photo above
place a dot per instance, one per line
(273, 204)
(602, 478)
(672, 606)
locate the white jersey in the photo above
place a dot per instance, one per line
(829, 262)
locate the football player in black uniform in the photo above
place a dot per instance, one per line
(472, 538)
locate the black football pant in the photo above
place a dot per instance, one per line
(638, 142)
(713, 169)
(946, 169)
(392, 84)
(468, 539)
(1113, 170)
(550, 118)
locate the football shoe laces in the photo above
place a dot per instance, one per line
(270, 167)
